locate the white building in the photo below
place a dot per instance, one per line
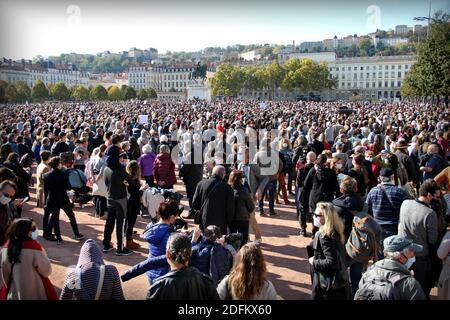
(403, 30)
(393, 41)
(250, 55)
(160, 78)
(315, 56)
(377, 77)
(12, 72)
(310, 45)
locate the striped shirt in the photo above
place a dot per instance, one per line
(379, 207)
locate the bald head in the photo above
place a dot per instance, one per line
(219, 171)
(311, 157)
(433, 149)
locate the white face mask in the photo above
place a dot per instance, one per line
(4, 200)
(285, 145)
(240, 157)
(316, 222)
(410, 262)
(339, 165)
(369, 159)
(386, 160)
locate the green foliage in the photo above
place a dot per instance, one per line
(2, 94)
(306, 75)
(152, 93)
(430, 75)
(99, 93)
(80, 93)
(114, 93)
(60, 92)
(227, 80)
(11, 94)
(127, 92)
(39, 92)
(142, 94)
(23, 91)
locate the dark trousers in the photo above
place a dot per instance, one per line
(150, 180)
(356, 271)
(270, 189)
(117, 213)
(292, 175)
(100, 205)
(80, 167)
(132, 213)
(47, 224)
(423, 274)
(241, 226)
(67, 208)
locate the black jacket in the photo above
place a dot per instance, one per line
(114, 181)
(409, 165)
(323, 185)
(191, 173)
(244, 204)
(56, 184)
(184, 284)
(301, 178)
(219, 204)
(346, 206)
(60, 147)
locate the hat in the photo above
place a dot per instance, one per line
(339, 145)
(402, 144)
(386, 172)
(398, 243)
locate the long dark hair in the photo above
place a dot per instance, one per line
(17, 233)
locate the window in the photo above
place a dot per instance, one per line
(349, 68)
(355, 76)
(355, 68)
(399, 83)
(374, 68)
(385, 84)
(368, 75)
(406, 66)
(399, 74)
(386, 67)
(399, 67)
(392, 67)
(348, 84)
(380, 74)
(367, 84)
(386, 74)
(361, 76)
(380, 67)
(342, 84)
(392, 84)
(374, 74)
(373, 84)
(392, 74)
(337, 68)
(362, 68)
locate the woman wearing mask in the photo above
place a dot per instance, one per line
(244, 205)
(24, 265)
(328, 267)
(146, 164)
(92, 279)
(248, 278)
(133, 203)
(99, 191)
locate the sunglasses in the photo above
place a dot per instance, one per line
(318, 215)
(33, 228)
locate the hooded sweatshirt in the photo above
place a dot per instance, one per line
(82, 282)
(157, 235)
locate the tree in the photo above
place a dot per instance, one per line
(2, 94)
(23, 91)
(60, 92)
(142, 94)
(99, 93)
(364, 45)
(306, 75)
(430, 76)
(274, 75)
(11, 93)
(254, 77)
(227, 80)
(152, 93)
(39, 91)
(127, 92)
(80, 93)
(114, 93)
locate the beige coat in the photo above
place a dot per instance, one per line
(26, 283)
(40, 171)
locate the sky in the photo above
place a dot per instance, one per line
(31, 28)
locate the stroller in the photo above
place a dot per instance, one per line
(78, 182)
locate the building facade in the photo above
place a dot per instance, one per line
(160, 78)
(12, 72)
(376, 78)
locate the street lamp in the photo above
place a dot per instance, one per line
(426, 18)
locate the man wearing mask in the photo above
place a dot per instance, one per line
(302, 199)
(255, 183)
(399, 256)
(384, 202)
(418, 222)
(8, 190)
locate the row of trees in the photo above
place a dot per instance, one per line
(300, 75)
(21, 92)
(429, 77)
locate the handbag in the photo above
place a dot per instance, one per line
(198, 213)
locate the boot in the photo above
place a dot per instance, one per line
(132, 245)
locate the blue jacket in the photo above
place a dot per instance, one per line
(156, 236)
(210, 258)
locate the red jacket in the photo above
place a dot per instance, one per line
(164, 169)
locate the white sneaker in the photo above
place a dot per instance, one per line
(258, 241)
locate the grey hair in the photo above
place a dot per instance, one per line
(395, 255)
(219, 171)
(164, 149)
(179, 247)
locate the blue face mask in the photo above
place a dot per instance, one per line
(34, 234)
(410, 262)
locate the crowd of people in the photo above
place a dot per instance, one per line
(371, 187)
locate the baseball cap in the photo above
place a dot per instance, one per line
(386, 172)
(397, 243)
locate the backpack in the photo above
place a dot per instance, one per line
(362, 245)
(378, 287)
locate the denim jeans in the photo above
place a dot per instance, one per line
(271, 189)
(356, 271)
(387, 230)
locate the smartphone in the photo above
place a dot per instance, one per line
(25, 200)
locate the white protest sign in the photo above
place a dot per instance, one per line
(143, 119)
